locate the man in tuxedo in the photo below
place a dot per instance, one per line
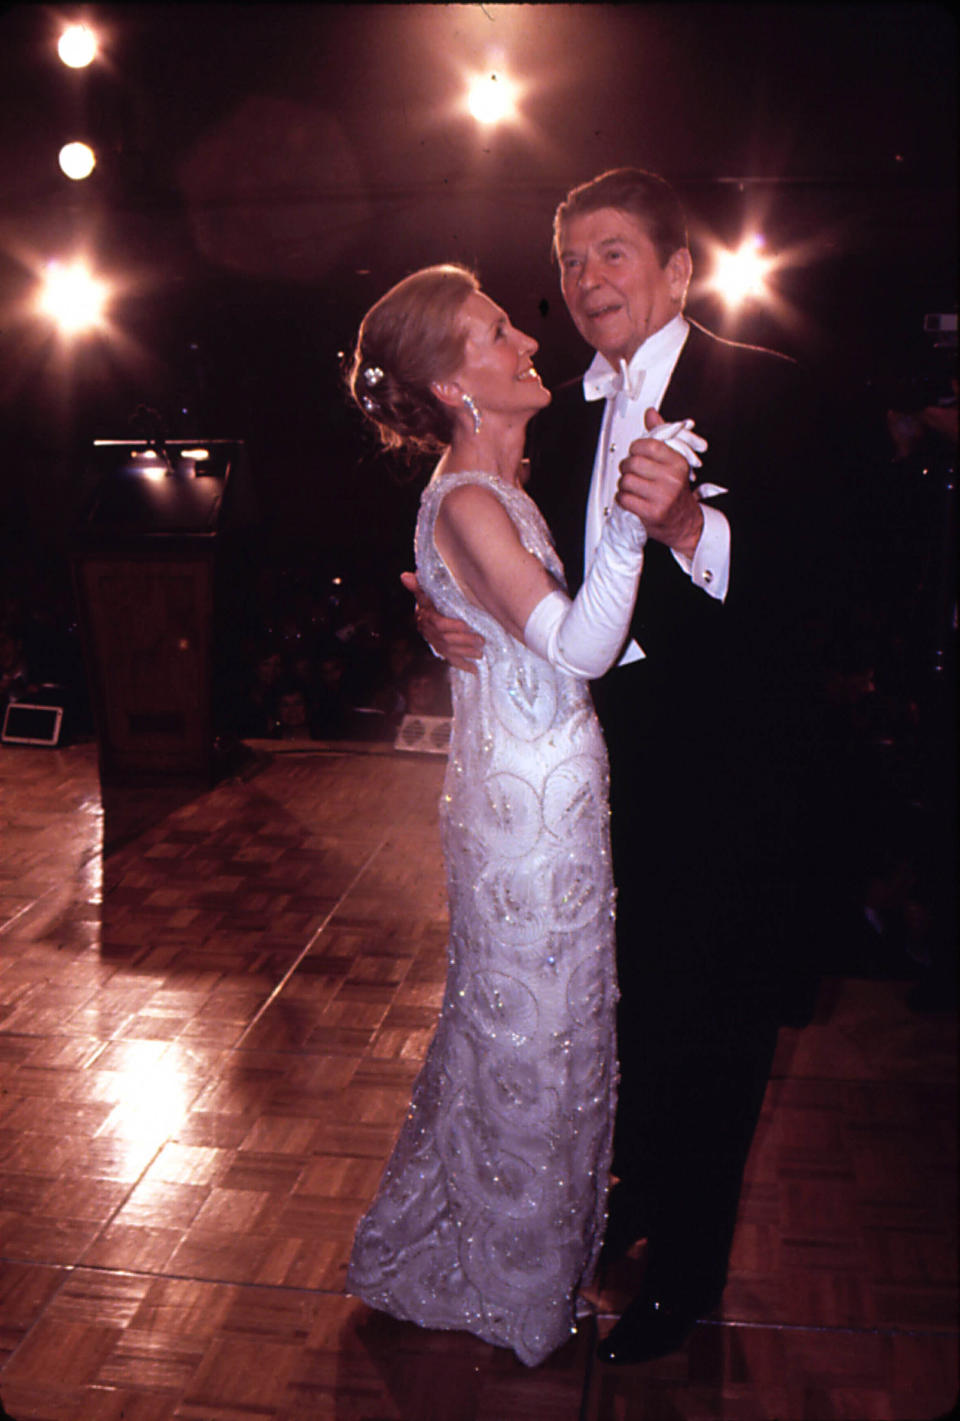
(704, 718)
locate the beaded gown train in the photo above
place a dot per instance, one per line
(491, 1209)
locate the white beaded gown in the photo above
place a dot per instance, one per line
(491, 1209)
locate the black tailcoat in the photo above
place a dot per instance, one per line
(707, 738)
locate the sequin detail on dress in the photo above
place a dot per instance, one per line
(491, 1209)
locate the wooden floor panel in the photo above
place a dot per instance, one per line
(208, 1037)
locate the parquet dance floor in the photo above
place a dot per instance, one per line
(207, 1040)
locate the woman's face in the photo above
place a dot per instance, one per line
(497, 370)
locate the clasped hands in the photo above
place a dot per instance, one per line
(654, 484)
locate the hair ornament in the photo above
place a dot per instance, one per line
(368, 405)
(373, 375)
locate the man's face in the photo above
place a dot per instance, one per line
(615, 288)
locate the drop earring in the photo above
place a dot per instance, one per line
(471, 405)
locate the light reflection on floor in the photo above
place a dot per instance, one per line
(195, 1111)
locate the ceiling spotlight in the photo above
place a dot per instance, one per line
(77, 160)
(77, 46)
(72, 298)
(741, 273)
(491, 98)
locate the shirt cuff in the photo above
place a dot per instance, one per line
(710, 568)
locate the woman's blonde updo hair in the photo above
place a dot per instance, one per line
(408, 339)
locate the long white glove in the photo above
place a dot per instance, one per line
(584, 637)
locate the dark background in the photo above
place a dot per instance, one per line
(266, 171)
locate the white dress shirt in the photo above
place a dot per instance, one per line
(629, 393)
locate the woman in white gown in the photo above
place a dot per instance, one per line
(491, 1210)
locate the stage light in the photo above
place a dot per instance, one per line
(72, 298)
(491, 98)
(77, 160)
(77, 46)
(152, 468)
(741, 273)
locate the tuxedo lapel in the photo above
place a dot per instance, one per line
(701, 389)
(563, 447)
(685, 388)
(698, 386)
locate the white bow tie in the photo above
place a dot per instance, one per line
(614, 382)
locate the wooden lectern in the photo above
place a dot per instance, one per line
(147, 563)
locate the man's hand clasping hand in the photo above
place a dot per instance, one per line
(655, 485)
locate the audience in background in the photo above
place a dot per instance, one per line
(41, 660)
(305, 659)
(340, 666)
(14, 677)
(339, 658)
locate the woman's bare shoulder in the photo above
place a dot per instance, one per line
(465, 504)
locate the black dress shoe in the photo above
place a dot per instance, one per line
(648, 1328)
